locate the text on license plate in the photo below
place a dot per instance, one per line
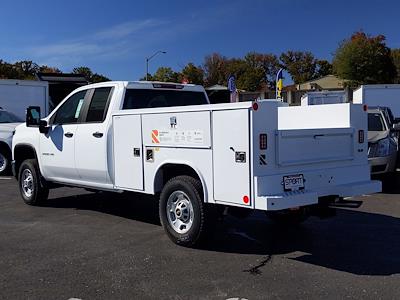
(293, 182)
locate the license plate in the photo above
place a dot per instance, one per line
(293, 182)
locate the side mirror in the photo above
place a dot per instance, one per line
(396, 127)
(33, 116)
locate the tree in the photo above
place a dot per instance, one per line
(396, 60)
(89, 75)
(47, 69)
(324, 68)
(364, 59)
(267, 63)
(8, 71)
(26, 68)
(166, 74)
(193, 74)
(215, 69)
(301, 66)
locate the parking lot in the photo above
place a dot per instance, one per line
(109, 246)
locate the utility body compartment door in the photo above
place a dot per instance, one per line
(128, 152)
(231, 158)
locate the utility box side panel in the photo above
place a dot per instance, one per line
(128, 152)
(231, 158)
(177, 129)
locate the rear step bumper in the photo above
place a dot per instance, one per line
(303, 198)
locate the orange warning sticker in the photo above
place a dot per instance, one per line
(154, 137)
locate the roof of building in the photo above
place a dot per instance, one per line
(328, 82)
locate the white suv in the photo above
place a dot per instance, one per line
(8, 122)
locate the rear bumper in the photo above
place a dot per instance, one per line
(303, 198)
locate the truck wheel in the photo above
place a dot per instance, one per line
(183, 213)
(289, 217)
(4, 162)
(31, 184)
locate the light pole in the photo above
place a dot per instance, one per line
(148, 59)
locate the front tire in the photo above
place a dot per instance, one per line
(5, 162)
(183, 213)
(31, 185)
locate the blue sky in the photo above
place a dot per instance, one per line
(114, 37)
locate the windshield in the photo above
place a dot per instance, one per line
(375, 122)
(7, 117)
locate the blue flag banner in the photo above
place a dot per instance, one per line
(232, 88)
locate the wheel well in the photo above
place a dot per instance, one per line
(168, 171)
(6, 148)
(22, 153)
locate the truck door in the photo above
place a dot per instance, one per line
(231, 156)
(91, 138)
(57, 146)
(128, 152)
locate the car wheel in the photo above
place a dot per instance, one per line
(31, 185)
(183, 213)
(5, 159)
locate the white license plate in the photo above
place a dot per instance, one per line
(293, 182)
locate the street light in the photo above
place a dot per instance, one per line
(147, 61)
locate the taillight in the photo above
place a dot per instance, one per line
(255, 106)
(263, 141)
(361, 136)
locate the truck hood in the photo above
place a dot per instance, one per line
(8, 127)
(374, 136)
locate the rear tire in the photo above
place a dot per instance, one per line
(5, 162)
(31, 184)
(183, 214)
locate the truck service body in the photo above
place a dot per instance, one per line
(264, 155)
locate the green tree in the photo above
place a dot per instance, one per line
(301, 66)
(89, 75)
(193, 74)
(8, 71)
(27, 69)
(265, 66)
(166, 74)
(396, 60)
(364, 59)
(324, 68)
(47, 69)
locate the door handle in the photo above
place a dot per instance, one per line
(69, 134)
(98, 134)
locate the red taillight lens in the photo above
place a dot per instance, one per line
(361, 136)
(263, 141)
(255, 106)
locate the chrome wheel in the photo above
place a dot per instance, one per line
(27, 183)
(180, 212)
(3, 163)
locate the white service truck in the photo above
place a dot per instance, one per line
(379, 95)
(17, 95)
(166, 139)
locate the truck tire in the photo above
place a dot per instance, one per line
(31, 185)
(183, 213)
(289, 217)
(5, 162)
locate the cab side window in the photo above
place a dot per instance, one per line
(70, 111)
(99, 105)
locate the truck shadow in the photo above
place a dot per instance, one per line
(355, 242)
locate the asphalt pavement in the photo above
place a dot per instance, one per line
(110, 246)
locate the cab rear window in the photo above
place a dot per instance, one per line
(145, 98)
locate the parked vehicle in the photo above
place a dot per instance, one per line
(383, 95)
(382, 141)
(166, 139)
(17, 95)
(8, 122)
(323, 97)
